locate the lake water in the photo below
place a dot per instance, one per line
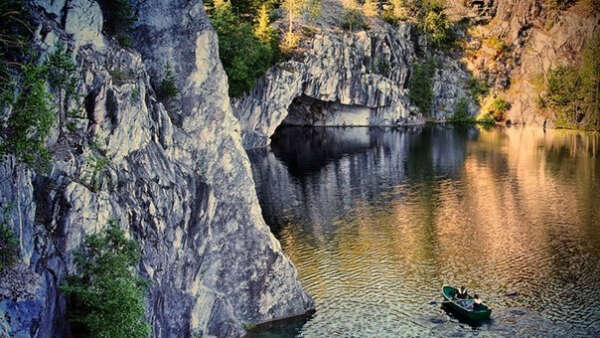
(377, 220)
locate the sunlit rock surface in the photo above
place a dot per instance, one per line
(347, 72)
(537, 36)
(178, 181)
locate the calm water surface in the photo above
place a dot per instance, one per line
(376, 221)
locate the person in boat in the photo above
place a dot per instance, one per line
(477, 303)
(462, 293)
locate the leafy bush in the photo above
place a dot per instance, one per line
(243, 55)
(389, 17)
(572, 91)
(486, 119)
(9, 247)
(500, 106)
(61, 69)
(420, 85)
(25, 131)
(438, 29)
(477, 87)
(353, 20)
(461, 112)
(168, 86)
(430, 18)
(106, 299)
(119, 17)
(95, 166)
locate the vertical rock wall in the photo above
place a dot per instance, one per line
(367, 71)
(177, 180)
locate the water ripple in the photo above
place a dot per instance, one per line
(376, 221)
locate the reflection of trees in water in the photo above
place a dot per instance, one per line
(500, 210)
(317, 173)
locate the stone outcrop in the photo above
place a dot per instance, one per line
(535, 38)
(348, 79)
(177, 179)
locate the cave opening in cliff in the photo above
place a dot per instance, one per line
(309, 111)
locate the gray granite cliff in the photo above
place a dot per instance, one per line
(178, 180)
(349, 79)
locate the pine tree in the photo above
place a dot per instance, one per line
(370, 8)
(293, 8)
(263, 30)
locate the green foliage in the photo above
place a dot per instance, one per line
(243, 55)
(312, 11)
(246, 10)
(477, 87)
(487, 119)
(106, 298)
(168, 86)
(420, 85)
(437, 27)
(500, 106)
(553, 8)
(119, 17)
(573, 92)
(263, 31)
(9, 247)
(135, 94)
(96, 165)
(461, 115)
(389, 17)
(293, 8)
(430, 18)
(461, 112)
(397, 10)
(249, 326)
(353, 20)
(25, 131)
(61, 69)
(290, 41)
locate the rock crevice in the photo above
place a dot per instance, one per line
(177, 179)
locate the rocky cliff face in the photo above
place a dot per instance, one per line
(177, 180)
(351, 79)
(520, 41)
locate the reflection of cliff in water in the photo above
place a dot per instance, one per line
(377, 220)
(308, 169)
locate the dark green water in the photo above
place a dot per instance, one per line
(376, 221)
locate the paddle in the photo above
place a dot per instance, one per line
(510, 294)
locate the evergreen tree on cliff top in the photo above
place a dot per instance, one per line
(243, 52)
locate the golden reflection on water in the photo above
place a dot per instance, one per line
(520, 214)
